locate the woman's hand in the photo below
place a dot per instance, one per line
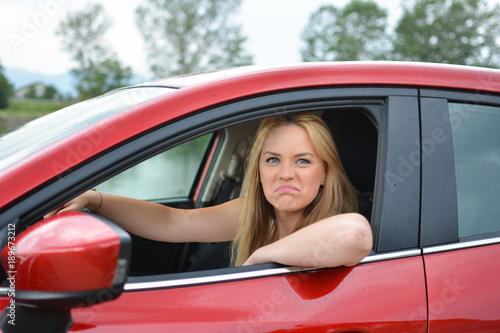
(75, 205)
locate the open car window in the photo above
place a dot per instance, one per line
(355, 133)
(168, 175)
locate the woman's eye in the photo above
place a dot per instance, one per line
(303, 161)
(272, 160)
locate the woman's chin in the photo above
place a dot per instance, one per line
(287, 205)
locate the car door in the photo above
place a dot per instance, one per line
(460, 211)
(386, 292)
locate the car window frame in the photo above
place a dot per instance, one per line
(399, 189)
(442, 236)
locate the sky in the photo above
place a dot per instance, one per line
(273, 29)
(28, 41)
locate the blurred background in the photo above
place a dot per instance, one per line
(56, 52)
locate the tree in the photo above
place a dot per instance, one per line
(356, 32)
(6, 90)
(98, 70)
(185, 36)
(458, 32)
(50, 92)
(102, 76)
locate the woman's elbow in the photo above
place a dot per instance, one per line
(358, 241)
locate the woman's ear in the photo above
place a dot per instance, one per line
(324, 174)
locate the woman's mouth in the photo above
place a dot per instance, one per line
(286, 188)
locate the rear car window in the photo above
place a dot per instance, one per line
(476, 146)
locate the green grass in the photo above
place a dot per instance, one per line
(32, 109)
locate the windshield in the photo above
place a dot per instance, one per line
(41, 132)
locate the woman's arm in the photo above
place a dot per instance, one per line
(341, 240)
(158, 222)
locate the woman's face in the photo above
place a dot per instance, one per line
(291, 172)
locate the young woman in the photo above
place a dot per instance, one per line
(297, 206)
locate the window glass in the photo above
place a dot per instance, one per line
(168, 175)
(476, 145)
(44, 131)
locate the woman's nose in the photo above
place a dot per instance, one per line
(286, 171)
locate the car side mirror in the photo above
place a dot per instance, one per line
(70, 260)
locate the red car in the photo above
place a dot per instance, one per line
(419, 142)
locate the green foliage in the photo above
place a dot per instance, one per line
(443, 31)
(458, 32)
(6, 90)
(185, 36)
(82, 34)
(98, 70)
(355, 32)
(50, 92)
(101, 77)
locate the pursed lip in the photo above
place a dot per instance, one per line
(287, 188)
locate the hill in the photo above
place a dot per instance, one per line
(20, 78)
(63, 83)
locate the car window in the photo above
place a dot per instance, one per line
(167, 175)
(476, 147)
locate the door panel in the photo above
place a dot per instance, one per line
(459, 203)
(464, 294)
(382, 296)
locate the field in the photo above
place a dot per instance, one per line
(20, 112)
(32, 109)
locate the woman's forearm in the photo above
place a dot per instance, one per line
(146, 219)
(157, 222)
(142, 218)
(341, 240)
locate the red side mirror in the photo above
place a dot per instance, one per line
(69, 260)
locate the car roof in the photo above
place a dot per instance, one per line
(206, 89)
(350, 73)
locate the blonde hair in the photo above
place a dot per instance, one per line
(256, 214)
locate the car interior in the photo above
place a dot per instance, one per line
(356, 135)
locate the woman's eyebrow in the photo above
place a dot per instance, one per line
(305, 154)
(271, 153)
(296, 155)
